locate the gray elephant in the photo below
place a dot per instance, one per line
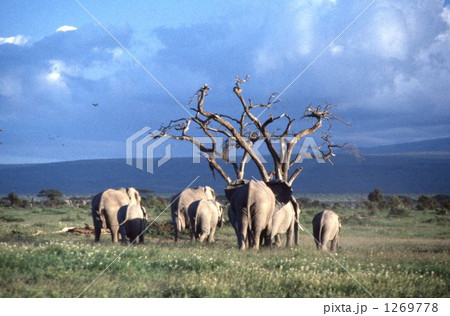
(252, 204)
(204, 217)
(286, 220)
(132, 220)
(105, 206)
(180, 204)
(326, 227)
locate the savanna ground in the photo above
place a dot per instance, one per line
(391, 257)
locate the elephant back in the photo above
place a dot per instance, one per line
(114, 198)
(231, 188)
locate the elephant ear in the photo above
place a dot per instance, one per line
(281, 189)
(134, 196)
(209, 192)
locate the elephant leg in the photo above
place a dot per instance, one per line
(242, 236)
(123, 234)
(192, 231)
(176, 227)
(202, 237)
(257, 237)
(277, 240)
(324, 244)
(115, 233)
(296, 234)
(249, 240)
(316, 239)
(334, 244)
(265, 235)
(97, 230)
(290, 235)
(211, 235)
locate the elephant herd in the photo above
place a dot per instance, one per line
(259, 212)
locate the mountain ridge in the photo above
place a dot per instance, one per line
(392, 172)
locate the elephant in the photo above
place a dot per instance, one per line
(252, 204)
(326, 227)
(132, 220)
(204, 217)
(286, 220)
(105, 206)
(180, 204)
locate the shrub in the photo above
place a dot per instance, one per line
(372, 206)
(55, 197)
(443, 200)
(407, 201)
(394, 201)
(315, 204)
(377, 197)
(154, 201)
(426, 203)
(441, 211)
(400, 210)
(14, 199)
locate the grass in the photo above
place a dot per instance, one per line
(390, 256)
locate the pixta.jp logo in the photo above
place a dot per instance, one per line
(143, 145)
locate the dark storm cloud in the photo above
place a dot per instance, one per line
(388, 74)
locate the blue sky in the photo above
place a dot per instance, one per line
(389, 73)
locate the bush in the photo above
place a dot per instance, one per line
(426, 203)
(316, 204)
(443, 200)
(407, 201)
(13, 199)
(441, 211)
(154, 201)
(55, 197)
(394, 201)
(400, 210)
(377, 197)
(372, 206)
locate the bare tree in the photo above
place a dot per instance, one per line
(242, 131)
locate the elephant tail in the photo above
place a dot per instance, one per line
(320, 229)
(249, 213)
(195, 223)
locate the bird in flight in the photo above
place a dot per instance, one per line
(95, 104)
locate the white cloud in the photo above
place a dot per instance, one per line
(55, 75)
(336, 49)
(66, 28)
(10, 86)
(15, 40)
(390, 34)
(116, 52)
(445, 15)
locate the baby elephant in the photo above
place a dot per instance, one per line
(132, 220)
(326, 227)
(204, 217)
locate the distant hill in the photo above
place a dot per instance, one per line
(436, 146)
(420, 167)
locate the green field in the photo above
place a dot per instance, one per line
(390, 256)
